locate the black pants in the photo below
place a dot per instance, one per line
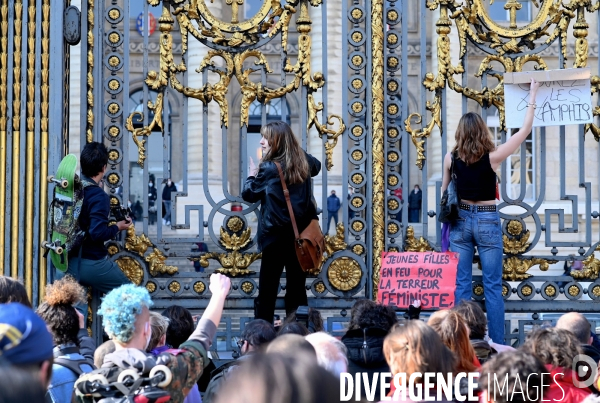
(275, 257)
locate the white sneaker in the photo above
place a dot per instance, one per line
(164, 222)
(168, 223)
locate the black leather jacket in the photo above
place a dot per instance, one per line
(274, 216)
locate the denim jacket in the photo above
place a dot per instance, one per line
(60, 389)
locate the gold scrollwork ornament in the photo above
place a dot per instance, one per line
(591, 268)
(344, 273)
(515, 268)
(132, 269)
(412, 244)
(234, 263)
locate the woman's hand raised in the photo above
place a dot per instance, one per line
(533, 90)
(252, 169)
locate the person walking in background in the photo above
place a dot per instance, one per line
(166, 199)
(152, 196)
(275, 231)
(333, 206)
(414, 204)
(473, 163)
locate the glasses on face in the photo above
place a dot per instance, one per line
(239, 343)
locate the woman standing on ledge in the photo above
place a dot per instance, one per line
(275, 232)
(476, 160)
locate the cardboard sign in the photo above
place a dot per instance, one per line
(564, 97)
(427, 276)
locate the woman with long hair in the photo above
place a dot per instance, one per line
(275, 232)
(414, 347)
(454, 332)
(476, 160)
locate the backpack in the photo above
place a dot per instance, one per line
(63, 218)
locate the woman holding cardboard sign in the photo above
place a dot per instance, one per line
(276, 235)
(473, 162)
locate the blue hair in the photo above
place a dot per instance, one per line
(121, 307)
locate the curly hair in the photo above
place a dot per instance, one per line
(357, 309)
(13, 291)
(556, 347)
(379, 316)
(120, 308)
(58, 312)
(181, 325)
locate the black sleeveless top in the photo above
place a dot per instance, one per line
(476, 182)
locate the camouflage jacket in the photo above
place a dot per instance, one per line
(186, 364)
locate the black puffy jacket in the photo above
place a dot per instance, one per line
(365, 354)
(274, 216)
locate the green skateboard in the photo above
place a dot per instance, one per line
(64, 211)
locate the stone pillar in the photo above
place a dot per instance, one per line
(75, 94)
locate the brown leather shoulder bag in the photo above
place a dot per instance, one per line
(310, 244)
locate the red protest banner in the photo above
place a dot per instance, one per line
(427, 276)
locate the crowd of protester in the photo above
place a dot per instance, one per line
(47, 355)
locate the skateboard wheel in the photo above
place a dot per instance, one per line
(167, 374)
(99, 378)
(64, 183)
(58, 250)
(128, 373)
(50, 178)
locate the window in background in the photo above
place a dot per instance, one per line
(136, 7)
(497, 12)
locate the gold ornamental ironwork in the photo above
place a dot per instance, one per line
(333, 244)
(515, 268)
(344, 273)
(139, 244)
(132, 269)
(518, 241)
(508, 42)
(591, 268)
(412, 244)
(241, 39)
(233, 262)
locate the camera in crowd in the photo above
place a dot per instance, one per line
(303, 317)
(121, 213)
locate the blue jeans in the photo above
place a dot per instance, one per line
(167, 216)
(330, 215)
(481, 229)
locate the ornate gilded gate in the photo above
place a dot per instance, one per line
(374, 88)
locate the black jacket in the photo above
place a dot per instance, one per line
(414, 200)
(365, 354)
(93, 219)
(274, 216)
(166, 193)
